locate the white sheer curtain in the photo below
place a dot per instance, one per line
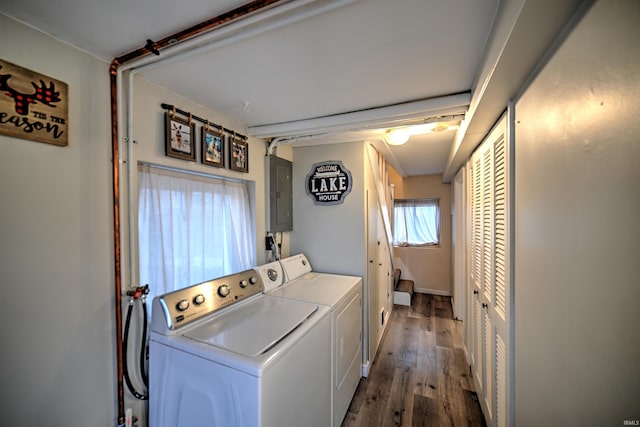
(191, 228)
(416, 222)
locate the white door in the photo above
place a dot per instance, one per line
(382, 274)
(459, 253)
(370, 291)
(489, 273)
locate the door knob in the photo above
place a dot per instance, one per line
(475, 292)
(484, 305)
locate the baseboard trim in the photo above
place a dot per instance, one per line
(467, 355)
(432, 292)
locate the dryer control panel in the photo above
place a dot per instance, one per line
(179, 308)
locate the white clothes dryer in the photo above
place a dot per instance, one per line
(224, 354)
(293, 279)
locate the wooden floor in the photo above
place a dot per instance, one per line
(420, 376)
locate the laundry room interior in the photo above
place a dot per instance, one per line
(204, 202)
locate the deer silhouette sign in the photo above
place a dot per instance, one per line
(33, 106)
(43, 94)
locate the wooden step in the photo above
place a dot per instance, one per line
(403, 293)
(396, 278)
(405, 286)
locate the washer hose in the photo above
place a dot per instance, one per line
(132, 389)
(143, 344)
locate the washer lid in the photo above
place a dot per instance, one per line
(253, 328)
(318, 288)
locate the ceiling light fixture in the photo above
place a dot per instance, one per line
(440, 127)
(399, 136)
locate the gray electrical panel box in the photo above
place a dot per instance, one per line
(280, 194)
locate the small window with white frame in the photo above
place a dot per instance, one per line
(191, 228)
(416, 222)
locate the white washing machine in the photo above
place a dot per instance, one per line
(293, 279)
(222, 353)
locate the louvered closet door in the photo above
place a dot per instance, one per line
(475, 265)
(489, 274)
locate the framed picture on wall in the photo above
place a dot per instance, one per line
(238, 155)
(212, 147)
(180, 137)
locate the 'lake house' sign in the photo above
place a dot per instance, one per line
(32, 106)
(328, 183)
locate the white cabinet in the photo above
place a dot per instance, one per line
(489, 283)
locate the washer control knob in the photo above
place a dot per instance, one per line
(182, 305)
(243, 283)
(272, 274)
(253, 280)
(198, 299)
(224, 290)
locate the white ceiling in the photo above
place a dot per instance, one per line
(362, 55)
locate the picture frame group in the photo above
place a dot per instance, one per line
(180, 143)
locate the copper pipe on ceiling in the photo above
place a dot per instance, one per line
(155, 48)
(198, 29)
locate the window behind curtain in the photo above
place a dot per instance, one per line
(416, 222)
(191, 228)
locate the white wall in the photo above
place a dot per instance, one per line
(149, 134)
(56, 262)
(149, 147)
(56, 241)
(577, 195)
(428, 267)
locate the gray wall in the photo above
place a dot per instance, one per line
(56, 262)
(332, 237)
(577, 195)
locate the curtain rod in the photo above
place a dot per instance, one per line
(205, 121)
(416, 200)
(190, 172)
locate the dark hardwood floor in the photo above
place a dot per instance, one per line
(420, 376)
